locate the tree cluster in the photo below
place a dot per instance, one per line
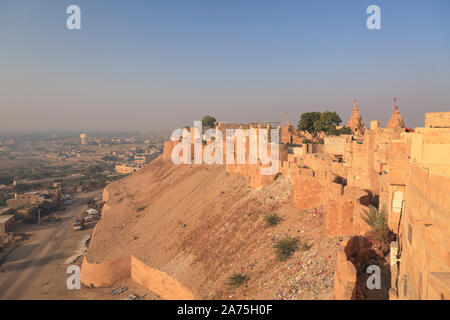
(208, 122)
(327, 121)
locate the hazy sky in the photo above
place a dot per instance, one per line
(163, 64)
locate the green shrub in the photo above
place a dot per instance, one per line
(305, 247)
(277, 176)
(237, 279)
(377, 220)
(286, 247)
(272, 219)
(141, 208)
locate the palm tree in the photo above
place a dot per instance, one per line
(377, 220)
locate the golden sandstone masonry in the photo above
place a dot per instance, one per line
(355, 122)
(407, 172)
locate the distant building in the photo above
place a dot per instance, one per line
(10, 142)
(26, 200)
(142, 158)
(84, 139)
(125, 169)
(6, 222)
(6, 211)
(4, 189)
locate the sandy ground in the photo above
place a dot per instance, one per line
(36, 269)
(201, 224)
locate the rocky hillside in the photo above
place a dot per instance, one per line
(201, 225)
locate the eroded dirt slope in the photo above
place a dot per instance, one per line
(201, 224)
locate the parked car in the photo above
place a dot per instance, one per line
(91, 211)
(78, 225)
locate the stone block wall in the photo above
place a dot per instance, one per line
(336, 144)
(437, 120)
(425, 236)
(251, 172)
(345, 275)
(344, 207)
(105, 274)
(307, 193)
(108, 273)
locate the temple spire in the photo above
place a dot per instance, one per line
(396, 120)
(355, 122)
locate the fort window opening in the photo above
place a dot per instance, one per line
(397, 201)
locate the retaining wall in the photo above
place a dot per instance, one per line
(107, 273)
(345, 274)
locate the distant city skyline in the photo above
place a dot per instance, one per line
(160, 65)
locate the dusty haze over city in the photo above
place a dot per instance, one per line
(150, 65)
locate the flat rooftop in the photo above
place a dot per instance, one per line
(5, 210)
(6, 218)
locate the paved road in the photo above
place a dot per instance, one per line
(36, 269)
